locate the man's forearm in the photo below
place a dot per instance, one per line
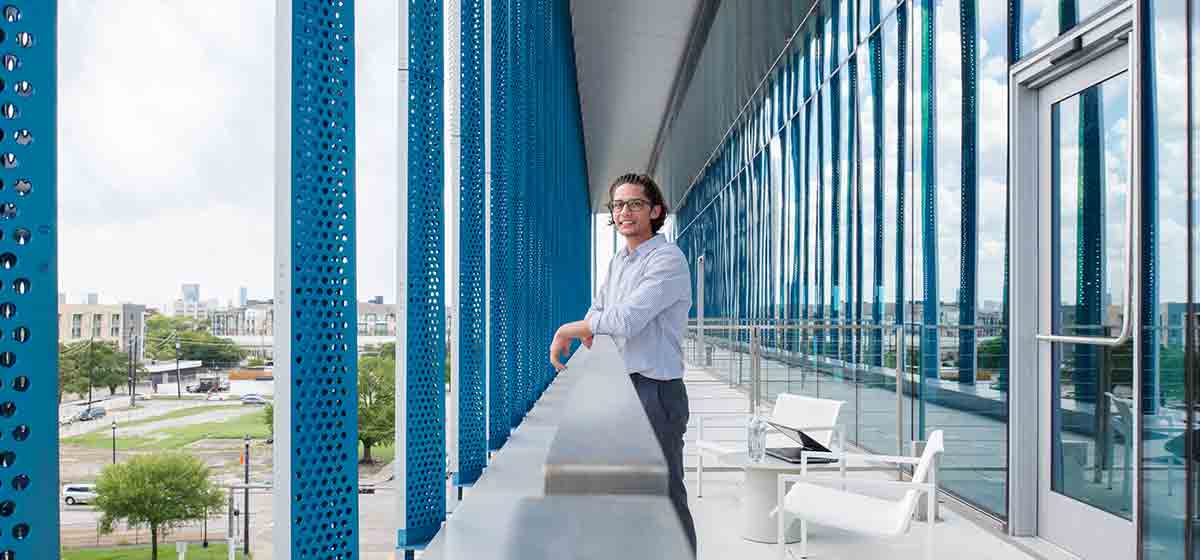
(576, 329)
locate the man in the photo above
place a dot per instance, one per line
(643, 305)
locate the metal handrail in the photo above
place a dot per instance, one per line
(1132, 222)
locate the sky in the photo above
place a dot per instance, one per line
(166, 154)
(166, 147)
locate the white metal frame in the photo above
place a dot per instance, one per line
(452, 131)
(1090, 53)
(281, 451)
(399, 464)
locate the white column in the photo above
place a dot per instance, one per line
(400, 461)
(281, 451)
(452, 126)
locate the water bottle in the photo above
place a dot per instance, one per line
(756, 438)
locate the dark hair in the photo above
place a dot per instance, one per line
(651, 190)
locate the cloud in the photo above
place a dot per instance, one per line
(166, 155)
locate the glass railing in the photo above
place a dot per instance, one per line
(892, 397)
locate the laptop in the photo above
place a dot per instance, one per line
(792, 454)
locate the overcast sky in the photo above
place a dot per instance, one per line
(166, 147)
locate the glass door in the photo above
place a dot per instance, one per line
(1088, 375)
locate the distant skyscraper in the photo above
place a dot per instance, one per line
(376, 299)
(62, 298)
(242, 296)
(93, 299)
(191, 293)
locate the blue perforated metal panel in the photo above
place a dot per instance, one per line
(425, 440)
(472, 439)
(324, 395)
(539, 207)
(29, 524)
(500, 368)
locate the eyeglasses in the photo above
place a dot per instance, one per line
(634, 205)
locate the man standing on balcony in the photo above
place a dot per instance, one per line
(643, 305)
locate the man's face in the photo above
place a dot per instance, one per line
(632, 211)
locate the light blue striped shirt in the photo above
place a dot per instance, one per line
(643, 305)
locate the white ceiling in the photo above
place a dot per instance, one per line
(627, 53)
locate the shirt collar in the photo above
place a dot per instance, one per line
(645, 247)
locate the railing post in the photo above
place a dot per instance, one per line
(702, 350)
(755, 368)
(901, 354)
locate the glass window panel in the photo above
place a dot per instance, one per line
(1165, 408)
(1091, 438)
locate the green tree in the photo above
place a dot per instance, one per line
(376, 402)
(195, 342)
(87, 364)
(160, 491)
(991, 355)
(269, 418)
(913, 360)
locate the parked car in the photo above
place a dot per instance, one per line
(79, 494)
(215, 397)
(66, 419)
(254, 399)
(140, 397)
(91, 413)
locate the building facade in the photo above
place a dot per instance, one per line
(121, 325)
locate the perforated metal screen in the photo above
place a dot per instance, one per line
(501, 365)
(29, 523)
(424, 306)
(323, 371)
(540, 212)
(472, 439)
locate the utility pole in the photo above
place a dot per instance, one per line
(178, 382)
(132, 381)
(91, 373)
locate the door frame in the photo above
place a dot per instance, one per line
(1111, 28)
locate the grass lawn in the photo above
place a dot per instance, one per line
(180, 436)
(215, 551)
(379, 453)
(181, 413)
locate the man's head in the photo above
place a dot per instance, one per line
(636, 206)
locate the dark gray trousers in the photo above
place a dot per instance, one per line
(666, 404)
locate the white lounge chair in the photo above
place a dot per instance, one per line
(816, 417)
(825, 500)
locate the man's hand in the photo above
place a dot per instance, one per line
(559, 348)
(562, 341)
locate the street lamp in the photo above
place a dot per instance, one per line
(114, 440)
(246, 500)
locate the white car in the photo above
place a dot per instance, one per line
(215, 397)
(254, 399)
(79, 494)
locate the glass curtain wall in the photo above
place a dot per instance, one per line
(856, 208)
(852, 198)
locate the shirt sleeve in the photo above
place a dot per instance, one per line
(598, 299)
(664, 283)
